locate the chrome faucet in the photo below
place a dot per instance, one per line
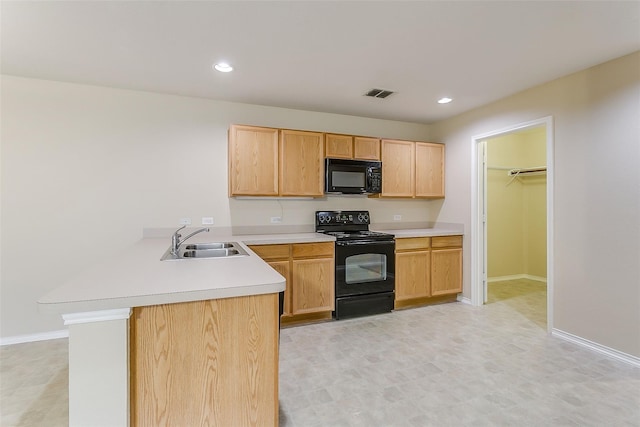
(176, 241)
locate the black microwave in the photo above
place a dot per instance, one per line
(343, 176)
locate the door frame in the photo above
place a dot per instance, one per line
(478, 209)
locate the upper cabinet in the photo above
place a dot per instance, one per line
(412, 169)
(338, 146)
(290, 163)
(398, 168)
(429, 170)
(301, 163)
(272, 162)
(352, 147)
(253, 161)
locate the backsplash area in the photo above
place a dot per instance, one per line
(281, 211)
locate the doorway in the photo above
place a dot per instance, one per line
(512, 205)
(516, 222)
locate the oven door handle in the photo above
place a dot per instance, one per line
(369, 242)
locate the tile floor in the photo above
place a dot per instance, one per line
(443, 365)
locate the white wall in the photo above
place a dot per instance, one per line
(596, 247)
(85, 169)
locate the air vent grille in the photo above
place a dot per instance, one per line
(379, 93)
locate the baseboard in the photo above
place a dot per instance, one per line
(464, 300)
(516, 277)
(19, 339)
(624, 357)
(535, 278)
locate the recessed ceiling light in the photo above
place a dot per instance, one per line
(444, 100)
(223, 67)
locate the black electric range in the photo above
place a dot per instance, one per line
(364, 263)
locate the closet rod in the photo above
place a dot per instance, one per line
(518, 171)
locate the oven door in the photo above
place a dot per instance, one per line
(364, 267)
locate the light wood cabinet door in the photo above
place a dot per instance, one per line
(429, 170)
(313, 283)
(301, 163)
(398, 163)
(412, 275)
(253, 161)
(366, 148)
(284, 268)
(446, 271)
(196, 363)
(338, 146)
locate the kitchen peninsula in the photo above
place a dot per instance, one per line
(178, 342)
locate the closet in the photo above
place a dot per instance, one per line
(516, 206)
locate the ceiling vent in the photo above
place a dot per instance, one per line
(378, 93)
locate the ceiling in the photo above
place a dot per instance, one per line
(319, 55)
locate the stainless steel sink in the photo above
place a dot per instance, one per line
(210, 253)
(199, 246)
(206, 250)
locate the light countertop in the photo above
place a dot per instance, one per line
(136, 277)
(423, 232)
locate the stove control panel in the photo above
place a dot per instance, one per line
(342, 218)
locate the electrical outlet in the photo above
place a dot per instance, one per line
(207, 220)
(276, 219)
(185, 221)
(397, 217)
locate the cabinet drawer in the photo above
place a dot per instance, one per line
(447, 242)
(312, 250)
(413, 243)
(271, 252)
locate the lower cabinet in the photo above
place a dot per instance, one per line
(284, 268)
(312, 283)
(413, 257)
(446, 265)
(309, 271)
(428, 269)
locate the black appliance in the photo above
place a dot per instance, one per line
(364, 263)
(344, 176)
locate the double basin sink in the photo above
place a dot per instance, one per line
(206, 250)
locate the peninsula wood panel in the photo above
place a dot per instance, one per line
(253, 161)
(313, 281)
(429, 170)
(398, 168)
(212, 363)
(301, 163)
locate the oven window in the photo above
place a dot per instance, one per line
(365, 268)
(347, 179)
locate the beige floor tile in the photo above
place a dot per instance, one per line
(443, 365)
